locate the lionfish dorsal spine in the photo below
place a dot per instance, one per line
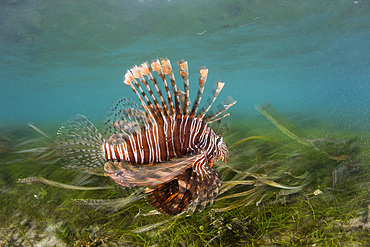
(178, 104)
(220, 111)
(156, 66)
(150, 105)
(202, 82)
(146, 71)
(128, 80)
(184, 72)
(167, 69)
(136, 71)
(216, 91)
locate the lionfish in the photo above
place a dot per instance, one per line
(167, 146)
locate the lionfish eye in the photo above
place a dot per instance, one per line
(219, 139)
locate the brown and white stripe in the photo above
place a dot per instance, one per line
(173, 130)
(167, 146)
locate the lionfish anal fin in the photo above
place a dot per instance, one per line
(185, 192)
(174, 196)
(197, 186)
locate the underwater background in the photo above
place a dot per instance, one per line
(61, 58)
(298, 167)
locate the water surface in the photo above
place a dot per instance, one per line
(66, 57)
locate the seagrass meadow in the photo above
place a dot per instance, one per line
(288, 181)
(297, 171)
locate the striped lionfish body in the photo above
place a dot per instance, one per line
(167, 146)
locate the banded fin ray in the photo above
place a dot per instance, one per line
(174, 196)
(202, 82)
(167, 70)
(219, 112)
(206, 187)
(80, 143)
(159, 112)
(157, 66)
(191, 189)
(131, 175)
(130, 80)
(145, 70)
(216, 91)
(124, 118)
(178, 102)
(184, 72)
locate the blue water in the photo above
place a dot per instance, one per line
(61, 58)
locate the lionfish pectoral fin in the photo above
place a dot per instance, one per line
(174, 196)
(131, 175)
(80, 144)
(123, 118)
(219, 112)
(206, 187)
(192, 189)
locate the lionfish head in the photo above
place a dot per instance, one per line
(221, 149)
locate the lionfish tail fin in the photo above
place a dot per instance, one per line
(81, 144)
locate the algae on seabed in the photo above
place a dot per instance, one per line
(279, 188)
